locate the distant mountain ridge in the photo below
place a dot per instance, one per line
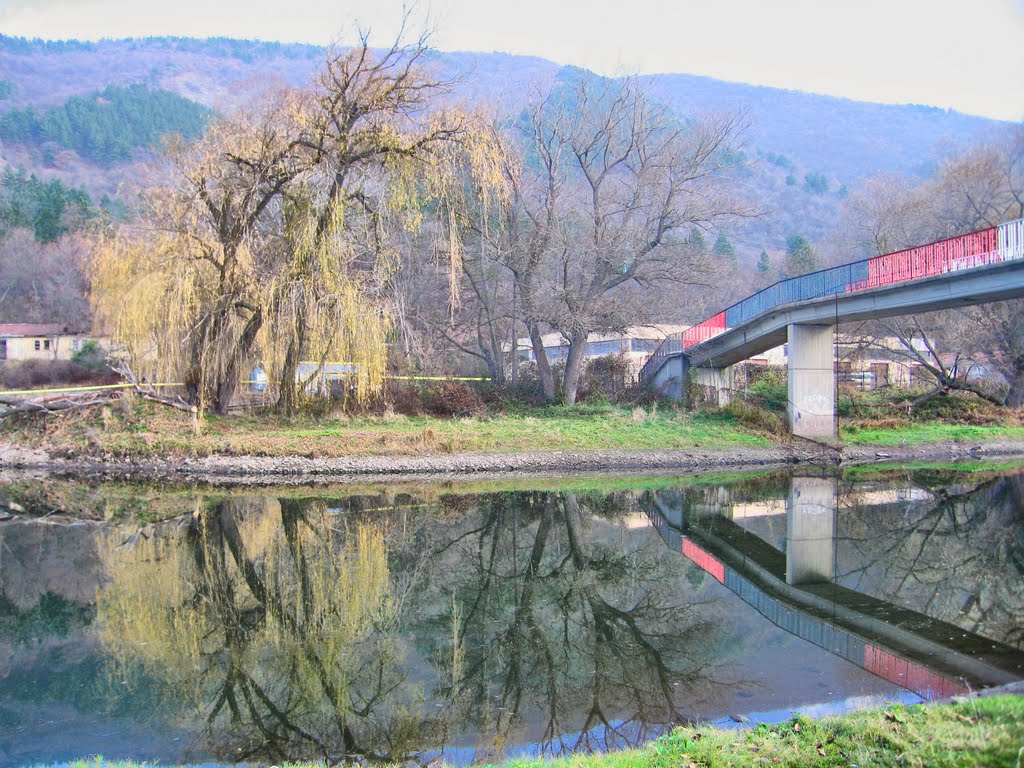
(811, 148)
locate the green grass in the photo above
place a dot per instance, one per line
(147, 431)
(915, 433)
(136, 430)
(538, 430)
(982, 732)
(972, 467)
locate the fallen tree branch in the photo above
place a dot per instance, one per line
(147, 392)
(181, 406)
(50, 405)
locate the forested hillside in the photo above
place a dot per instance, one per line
(82, 123)
(107, 100)
(106, 127)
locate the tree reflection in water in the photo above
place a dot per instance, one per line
(957, 555)
(275, 626)
(297, 633)
(567, 633)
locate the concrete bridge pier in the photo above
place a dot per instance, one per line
(717, 382)
(670, 379)
(810, 530)
(812, 381)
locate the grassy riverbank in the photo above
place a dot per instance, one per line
(136, 430)
(143, 430)
(916, 433)
(981, 732)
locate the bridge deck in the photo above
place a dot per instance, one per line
(981, 285)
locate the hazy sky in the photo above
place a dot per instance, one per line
(964, 54)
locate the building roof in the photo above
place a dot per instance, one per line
(30, 329)
(655, 331)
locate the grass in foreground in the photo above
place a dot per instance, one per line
(982, 732)
(917, 433)
(142, 430)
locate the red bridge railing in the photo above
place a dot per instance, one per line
(976, 249)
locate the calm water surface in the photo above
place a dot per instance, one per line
(407, 622)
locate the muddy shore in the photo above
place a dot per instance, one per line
(261, 470)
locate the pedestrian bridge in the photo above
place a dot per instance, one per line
(977, 268)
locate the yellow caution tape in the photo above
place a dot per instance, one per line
(381, 509)
(346, 374)
(97, 388)
(102, 387)
(440, 378)
(405, 378)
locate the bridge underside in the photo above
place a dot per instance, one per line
(807, 327)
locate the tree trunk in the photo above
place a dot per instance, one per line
(547, 380)
(289, 373)
(1015, 397)
(574, 365)
(237, 363)
(286, 399)
(493, 355)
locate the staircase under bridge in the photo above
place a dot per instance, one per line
(977, 268)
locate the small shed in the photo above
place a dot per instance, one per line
(30, 341)
(39, 341)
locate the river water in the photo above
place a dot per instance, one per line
(482, 620)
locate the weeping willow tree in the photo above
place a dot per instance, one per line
(478, 234)
(374, 141)
(273, 244)
(271, 624)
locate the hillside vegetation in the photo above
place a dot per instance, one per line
(809, 149)
(397, 208)
(106, 127)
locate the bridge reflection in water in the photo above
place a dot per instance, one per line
(792, 583)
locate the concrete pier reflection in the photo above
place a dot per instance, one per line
(811, 530)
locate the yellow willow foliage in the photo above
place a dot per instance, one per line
(320, 301)
(147, 297)
(139, 610)
(323, 598)
(456, 264)
(153, 297)
(493, 165)
(473, 180)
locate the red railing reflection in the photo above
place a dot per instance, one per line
(910, 675)
(706, 561)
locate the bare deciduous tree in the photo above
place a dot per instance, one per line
(598, 187)
(273, 245)
(628, 179)
(44, 282)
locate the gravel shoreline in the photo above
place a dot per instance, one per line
(259, 469)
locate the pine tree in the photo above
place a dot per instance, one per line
(696, 241)
(800, 256)
(723, 247)
(763, 262)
